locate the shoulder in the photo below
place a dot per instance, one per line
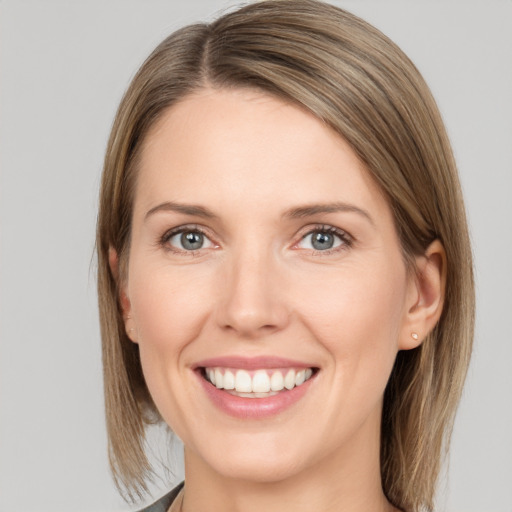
(163, 504)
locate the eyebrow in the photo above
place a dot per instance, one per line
(315, 209)
(298, 212)
(187, 209)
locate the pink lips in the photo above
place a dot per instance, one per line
(251, 363)
(252, 408)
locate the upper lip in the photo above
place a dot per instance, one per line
(251, 363)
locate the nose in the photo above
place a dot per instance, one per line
(252, 296)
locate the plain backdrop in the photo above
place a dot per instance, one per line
(64, 66)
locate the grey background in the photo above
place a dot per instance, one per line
(64, 66)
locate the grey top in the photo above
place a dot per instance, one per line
(163, 504)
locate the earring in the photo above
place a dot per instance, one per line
(414, 335)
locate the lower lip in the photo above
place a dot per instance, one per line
(254, 408)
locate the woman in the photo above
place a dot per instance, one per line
(285, 273)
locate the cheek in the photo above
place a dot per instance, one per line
(357, 316)
(357, 319)
(168, 306)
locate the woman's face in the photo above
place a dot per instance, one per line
(263, 255)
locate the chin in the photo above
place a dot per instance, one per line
(257, 460)
(271, 470)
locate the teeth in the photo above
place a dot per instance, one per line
(260, 383)
(229, 380)
(219, 378)
(277, 381)
(243, 382)
(289, 380)
(253, 395)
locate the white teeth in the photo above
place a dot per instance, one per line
(219, 378)
(260, 384)
(253, 395)
(243, 382)
(277, 381)
(229, 380)
(289, 380)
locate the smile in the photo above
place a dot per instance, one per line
(255, 388)
(259, 383)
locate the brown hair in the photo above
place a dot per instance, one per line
(358, 82)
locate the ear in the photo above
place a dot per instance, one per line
(425, 296)
(124, 300)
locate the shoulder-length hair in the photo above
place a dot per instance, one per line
(361, 84)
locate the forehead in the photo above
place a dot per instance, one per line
(249, 149)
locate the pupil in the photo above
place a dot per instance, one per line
(322, 241)
(191, 240)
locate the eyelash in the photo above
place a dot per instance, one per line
(346, 239)
(191, 228)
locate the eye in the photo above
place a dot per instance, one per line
(187, 240)
(324, 239)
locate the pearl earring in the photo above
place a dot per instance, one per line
(414, 335)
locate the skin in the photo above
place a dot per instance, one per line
(258, 287)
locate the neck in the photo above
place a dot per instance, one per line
(347, 480)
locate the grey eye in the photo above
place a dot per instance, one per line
(190, 241)
(321, 241)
